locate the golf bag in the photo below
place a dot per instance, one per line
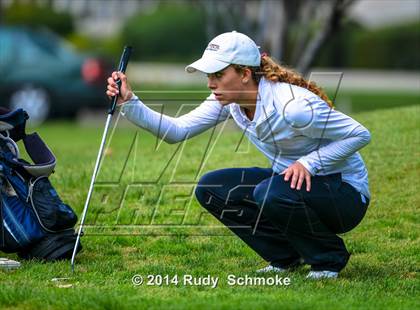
(35, 223)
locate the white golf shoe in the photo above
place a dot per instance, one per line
(271, 268)
(324, 274)
(8, 264)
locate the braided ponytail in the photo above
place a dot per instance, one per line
(276, 73)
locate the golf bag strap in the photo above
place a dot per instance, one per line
(41, 155)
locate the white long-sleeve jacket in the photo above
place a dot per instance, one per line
(290, 124)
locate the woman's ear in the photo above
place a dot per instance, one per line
(246, 75)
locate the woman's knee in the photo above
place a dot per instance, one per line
(207, 186)
(201, 191)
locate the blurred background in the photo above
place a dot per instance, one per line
(55, 55)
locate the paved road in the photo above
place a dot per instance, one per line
(174, 74)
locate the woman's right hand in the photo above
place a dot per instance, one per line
(125, 92)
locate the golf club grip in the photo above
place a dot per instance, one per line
(121, 68)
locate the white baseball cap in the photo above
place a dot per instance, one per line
(225, 49)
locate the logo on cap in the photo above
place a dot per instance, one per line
(213, 47)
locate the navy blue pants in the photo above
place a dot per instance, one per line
(284, 225)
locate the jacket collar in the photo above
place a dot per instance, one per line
(264, 106)
(265, 101)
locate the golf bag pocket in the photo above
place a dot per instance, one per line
(53, 214)
(19, 227)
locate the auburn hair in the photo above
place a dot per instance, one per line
(275, 72)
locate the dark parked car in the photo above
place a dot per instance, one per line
(42, 74)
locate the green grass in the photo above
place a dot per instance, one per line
(382, 272)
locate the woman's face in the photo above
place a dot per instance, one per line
(227, 85)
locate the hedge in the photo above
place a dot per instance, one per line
(170, 33)
(32, 15)
(392, 47)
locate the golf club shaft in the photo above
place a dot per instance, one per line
(92, 183)
(121, 67)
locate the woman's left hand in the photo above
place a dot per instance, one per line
(298, 173)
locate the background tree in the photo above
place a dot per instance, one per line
(292, 31)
